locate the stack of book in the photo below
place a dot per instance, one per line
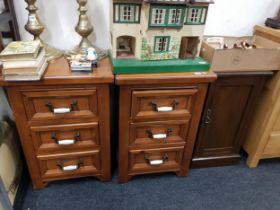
(81, 66)
(23, 61)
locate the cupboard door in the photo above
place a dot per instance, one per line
(230, 102)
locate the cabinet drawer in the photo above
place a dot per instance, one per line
(69, 166)
(65, 138)
(155, 160)
(162, 104)
(156, 133)
(273, 145)
(51, 104)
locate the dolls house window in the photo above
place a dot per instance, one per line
(125, 47)
(161, 43)
(126, 13)
(166, 16)
(175, 16)
(158, 16)
(196, 15)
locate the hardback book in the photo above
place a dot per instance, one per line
(78, 66)
(25, 71)
(24, 66)
(20, 50)
(81, 70)
(27, 77)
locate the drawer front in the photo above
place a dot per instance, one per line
(60, 104)
(155, 160)
(158, 133)
(162, 104)
(74, 165)
(273, 145)
(65, 138)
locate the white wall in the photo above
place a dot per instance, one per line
(238, 17)
(60, 17)
(226, 17)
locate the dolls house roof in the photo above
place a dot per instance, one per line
(170, 1)
(180, 1)
(201, 1)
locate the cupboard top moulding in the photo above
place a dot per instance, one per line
(58, 73)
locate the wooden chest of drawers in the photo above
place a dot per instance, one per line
(63, 123)
(158, 120)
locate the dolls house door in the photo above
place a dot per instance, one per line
(126, 47)
(188, 48)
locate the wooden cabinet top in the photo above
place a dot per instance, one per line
(267, 32)
(58, 73)
(165, 78)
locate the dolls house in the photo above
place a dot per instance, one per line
(157, 29)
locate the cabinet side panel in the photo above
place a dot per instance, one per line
(104, 121)
(16, 102)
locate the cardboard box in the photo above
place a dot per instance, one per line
(265, 57)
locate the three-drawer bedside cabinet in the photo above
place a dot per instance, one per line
(158, 119)
(63, 122)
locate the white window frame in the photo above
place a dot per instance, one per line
(175, 18)
(196, 15)
(131, 16)
(167, 18)
(161, 44)
(155, 18)
(127, 13)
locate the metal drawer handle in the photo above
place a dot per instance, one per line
(66, 141)
(156, 162)
(159, 135)
(208, 117)
(63, 110)
(157, 108)
(70, 167)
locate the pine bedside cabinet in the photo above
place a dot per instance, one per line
(263, 139)
(158, 120)
(63, 122)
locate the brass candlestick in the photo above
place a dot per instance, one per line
(84, 29)
(35, 27)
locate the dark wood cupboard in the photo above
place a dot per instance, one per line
(229, 105)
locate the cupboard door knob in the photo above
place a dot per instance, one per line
(66, 141)
(208, 117)
(69, 167)
(157, 108)
(156, 162)
(159, 135)
(62, 110)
